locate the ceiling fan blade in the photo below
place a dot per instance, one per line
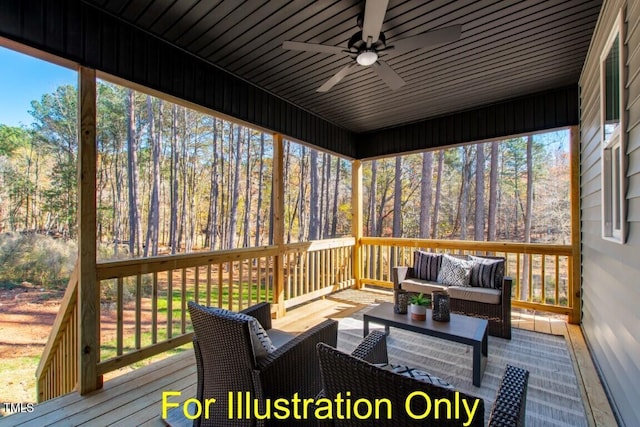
(312, 47)
(374, 11)
(390, 77)
(337, 77)
(430, 38)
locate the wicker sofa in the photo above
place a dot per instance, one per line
(226, 362)
(491, 303)
(359, 373)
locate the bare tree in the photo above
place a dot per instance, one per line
(493, 192)
(132, 174)
(173, 224)
(425, 194)
(524, 288)
(372, 198)
(464, 193)
(302, 195)
(212, 220)
(153, 223)
(233, 217)
(313, 199)
(247, 191)
(436, 205)
(334, 222)
(260, 188)
(397, 199)
(479, 220)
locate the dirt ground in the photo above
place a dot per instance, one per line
(26, 317)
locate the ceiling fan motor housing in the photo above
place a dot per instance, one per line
(357, 45)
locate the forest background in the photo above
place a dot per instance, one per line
(173, 180)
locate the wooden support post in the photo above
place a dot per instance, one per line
(575, 290)
(278, 223)
(88, 289)
(356, 219)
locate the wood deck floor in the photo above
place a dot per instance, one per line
(133, 398)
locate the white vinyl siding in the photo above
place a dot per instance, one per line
(610, 271)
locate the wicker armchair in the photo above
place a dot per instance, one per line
(343, 372)
(226, 363)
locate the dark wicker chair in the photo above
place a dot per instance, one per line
(355, 373)
(226, 363)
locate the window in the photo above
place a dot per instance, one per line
(613, 135)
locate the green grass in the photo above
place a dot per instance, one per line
(18, 379)
(109, 348)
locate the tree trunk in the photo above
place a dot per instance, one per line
(292, 215)
(182, 232)
(479, 220)
(313, 202)
(247, 191)
(436, 204)
(334, 222)
(397, 199)
(302, 196)
(372, 198)
(233, 217)
(425, 194)
(524, 288)
(323, 198)
(151, 241)
(493, 192)
(117, 198)
(260, 185)
(132, 174)
(212, 216)
(464, 194)
(173, 224)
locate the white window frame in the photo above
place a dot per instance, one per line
(614, 158)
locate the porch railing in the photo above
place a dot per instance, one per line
(143, 302)
(542, 274)
(57, 372)
(143, 309)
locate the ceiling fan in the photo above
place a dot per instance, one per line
(366, 46)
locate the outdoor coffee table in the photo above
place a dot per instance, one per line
(461, 329)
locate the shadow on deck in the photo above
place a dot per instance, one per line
(134, 398)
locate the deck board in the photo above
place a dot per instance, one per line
(134, 398)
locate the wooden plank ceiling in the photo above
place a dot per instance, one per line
(507, 49)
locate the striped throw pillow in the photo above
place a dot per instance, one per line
(486, 272)
(426, 265)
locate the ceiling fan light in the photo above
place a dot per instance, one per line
(367, 57)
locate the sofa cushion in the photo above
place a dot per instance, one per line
(454, 271)
(426, 265)
(260, 341)
(417, 374)
(421, 286)
(486, 272)
(467, 293)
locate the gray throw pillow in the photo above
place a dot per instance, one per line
(454, 271)
(426, 265)
(486, 272)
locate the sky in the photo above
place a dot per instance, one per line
(24, 79)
